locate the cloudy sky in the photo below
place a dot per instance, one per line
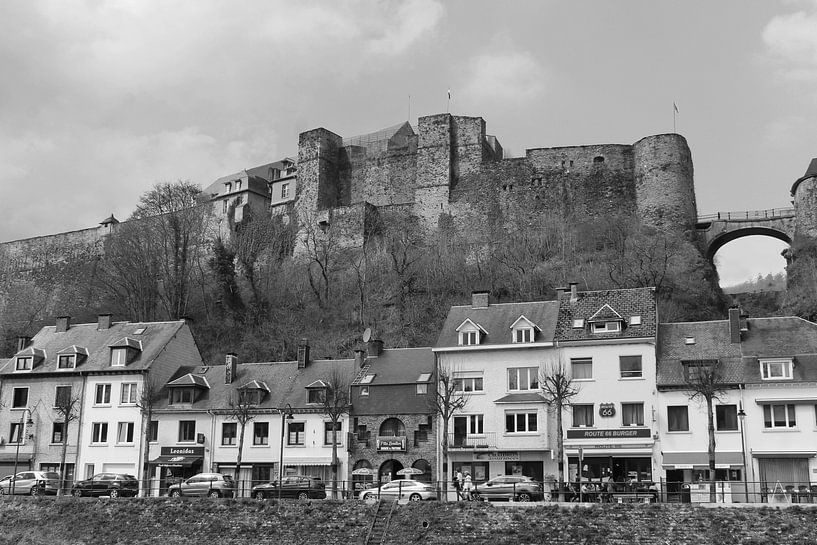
(99, 100)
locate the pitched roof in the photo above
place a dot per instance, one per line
(398, 366)
(98, 344)
(624, 303)
(712, 341)
(526, 397)
(497, 319)
(392, 390)
(189, 379)
(811, 172)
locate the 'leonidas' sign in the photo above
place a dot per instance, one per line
(622, 433)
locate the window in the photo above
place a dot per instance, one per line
(392, 427)
(677, 418)
(726, 417)
(582, 416)
(523, 335)
(224, 206)
(632, 414)
(103, 394)
(16, 432)
(468, 384)
(153, 431)
(327, 432)
(238, 185)
(228, 187)
(523, 378)
(24, 363)
(284, 191)
(473, 423)
(779, 416)
(119, 357)
(67, 361)
(578, 323)
(469, 338)
(364, 390)
(62, 397)
(520, 422)
(187, 431)
(581, 368)
(296, 433)
(689, 340)
(367, 379)
(316, 395)
(228, 433)
(250, 396)
(422, 389)
(99, 432)
(20, 398)
(181, 395)
(128, 396)
(124, 433)
(630, 366)
(260, 433)
(776, 369)
(606, 327)
(57, 434)
(699, 370)
(635, 320)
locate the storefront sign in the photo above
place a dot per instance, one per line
(497, 456)
(182, 451)
(624, 433)
(391, 444)
(607, 410)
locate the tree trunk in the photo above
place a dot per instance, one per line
(560, 452)
(238, 458)
(711, 449)
(444, 445)
(334, 459)
(145, 485)
(65, 422)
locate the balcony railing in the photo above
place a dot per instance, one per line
(472, 441)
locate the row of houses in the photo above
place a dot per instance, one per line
(143, 394)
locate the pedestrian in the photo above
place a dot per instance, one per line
(467, 487)
(458, 484)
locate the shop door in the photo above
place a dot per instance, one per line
(460, 430)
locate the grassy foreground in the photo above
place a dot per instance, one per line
(167, 522)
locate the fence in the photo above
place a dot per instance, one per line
(771, 213)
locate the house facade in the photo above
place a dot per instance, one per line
(96, 374)
(393, 420)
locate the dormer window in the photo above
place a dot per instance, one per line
(24, 363)
(180, 396)
(183, 389)
(252, 393)
(66, 361)
(119, 357)
(470, 333)
(124, 351)
(26, 360)
(69, 358)
(776, 369)
(316, 392)
(469, 338)
(523, 330)
(606, 327)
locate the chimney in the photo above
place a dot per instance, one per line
(303, 353)
(375, 348)
(479, 299)
(231, 368)
(103, 322)
(360, 357)
(734, 325)
(574, 292)
(23, 342)
(63, 323)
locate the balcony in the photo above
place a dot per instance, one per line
(471, 441)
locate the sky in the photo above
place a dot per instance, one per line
(100, 100)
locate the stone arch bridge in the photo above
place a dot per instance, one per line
(724, 227)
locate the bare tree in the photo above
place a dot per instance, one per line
(66, 406)
(146, 401)
(448, 399)
(336, 402)
(558, 389)
(704, 381)
(243, 404)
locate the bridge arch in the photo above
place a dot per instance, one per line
(719, 229)
(723, 239)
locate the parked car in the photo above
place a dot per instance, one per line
(401, 489)
(294, 486)
(509, 487)
(31, 482)
(214, 485)
(107, 484)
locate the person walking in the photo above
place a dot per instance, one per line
(458, 484)
(467, 487)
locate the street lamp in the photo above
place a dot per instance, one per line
(286, 414)
(22, 431)
(742, 416)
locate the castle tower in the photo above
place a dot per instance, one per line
(318, 185)
(804, 192)
(433, 168)
(664, 187)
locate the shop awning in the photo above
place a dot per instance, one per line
(172, 460)
(307, 461)
(701, 459)
(21, 458)
(783, 454)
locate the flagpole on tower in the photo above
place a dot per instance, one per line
(674, 112)
(448, 105)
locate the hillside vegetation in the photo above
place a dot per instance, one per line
(72, 521)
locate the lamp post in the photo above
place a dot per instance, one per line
(286, 414)
(22, 432)
(742, 416)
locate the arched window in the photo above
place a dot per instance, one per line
(392, 427)
(598, 159)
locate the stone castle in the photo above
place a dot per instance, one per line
(449, 172)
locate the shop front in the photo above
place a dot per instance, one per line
(487, 465)
(687, 477)
(174, 465)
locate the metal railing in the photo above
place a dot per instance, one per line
(471, 441)
(771, 213)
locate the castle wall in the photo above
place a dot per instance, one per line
(805, 207)
(318, 185)
(434, 159)
(665, 191)
(33, 253)
(380, 179)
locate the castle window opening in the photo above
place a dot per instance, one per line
(598, 159)
(238, 185)
(323, 225)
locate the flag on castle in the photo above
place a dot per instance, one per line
(674, 105)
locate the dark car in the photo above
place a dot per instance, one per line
(214, 485)
(509, 487)
(295, 486)
(107, 484)
(31, 482)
